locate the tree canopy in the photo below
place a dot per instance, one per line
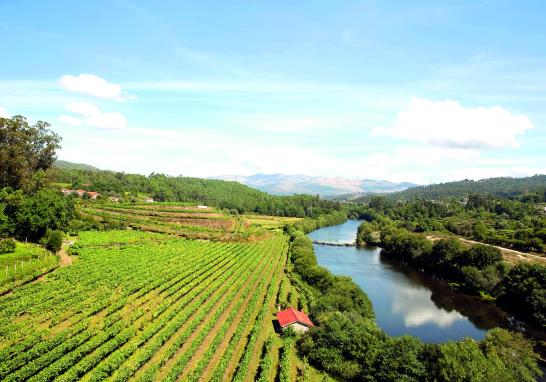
(24, 150)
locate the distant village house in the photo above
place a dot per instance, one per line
(92, 194)
(202, 207)
(149, 199)
(292, 318)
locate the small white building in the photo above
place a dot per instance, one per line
(294, 319)
(201, 207)
(149, 199)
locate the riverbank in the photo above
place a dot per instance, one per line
(345, 320)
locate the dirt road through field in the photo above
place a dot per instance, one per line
(63, 254)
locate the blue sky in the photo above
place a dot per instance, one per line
(422, 91)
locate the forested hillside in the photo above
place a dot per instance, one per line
(504, 187)
(219, 193)
(65, 165)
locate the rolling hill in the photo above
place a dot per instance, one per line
(504, 187)
(66, 165)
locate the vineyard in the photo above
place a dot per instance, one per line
(147, 306)
(177, 219)
(188, 221)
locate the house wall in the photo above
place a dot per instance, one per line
(297, 327)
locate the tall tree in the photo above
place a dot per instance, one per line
(25, 149)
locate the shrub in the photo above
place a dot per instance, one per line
(53, 240)
(7, 245)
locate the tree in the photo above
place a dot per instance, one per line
(479, 231)
(7, 245)
(462, 361)
(518, 360)
(48, 209)
(4, 222)
(524, 291)
(482, 256)
(25, 149)
(398, 360)
(53, 240)
(446, 254)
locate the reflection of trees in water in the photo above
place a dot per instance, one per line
(482, 314)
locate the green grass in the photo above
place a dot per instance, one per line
(23, 251)
(26, 263)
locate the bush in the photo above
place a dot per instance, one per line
(53, 240)
(7, 245)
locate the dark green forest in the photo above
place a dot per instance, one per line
(505, 187)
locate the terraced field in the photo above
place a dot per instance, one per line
(147, 306)
(166, 218)
(178, 219)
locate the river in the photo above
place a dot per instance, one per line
(406, 301)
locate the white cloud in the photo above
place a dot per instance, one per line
(448, 124)
(418, 310)
(93, 85)
(69, 120)
(89, 114)
(4, 113)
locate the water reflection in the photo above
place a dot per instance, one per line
(483, 315)
(406, 301)
(416, 310)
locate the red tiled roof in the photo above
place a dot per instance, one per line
(290, 316)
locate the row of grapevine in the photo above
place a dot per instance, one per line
(142, 306)
(88, 334)
(217, 324)
(258, 327)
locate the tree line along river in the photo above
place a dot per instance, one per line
(405, 300)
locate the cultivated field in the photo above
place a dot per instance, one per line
(176, 219)
(148, 306)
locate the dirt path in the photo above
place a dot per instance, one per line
(510, 255)
(63, 254)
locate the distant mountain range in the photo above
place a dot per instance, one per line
(280, 184)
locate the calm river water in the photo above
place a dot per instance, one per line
(406, 301)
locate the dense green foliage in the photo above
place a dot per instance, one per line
(30, 216)
(7, 245)
(218, 193)
(524, 290)
(310, 224)
(25, 150)
(348, 344)
(53, 240)
(480, 268)
(484, 218)
(503, 187)
(28, 210)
